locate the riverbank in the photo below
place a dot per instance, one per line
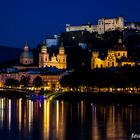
(120, 98)
(11, 93)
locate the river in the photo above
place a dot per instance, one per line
(23, 119)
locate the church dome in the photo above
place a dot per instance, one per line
(43, 48)
(26, 57)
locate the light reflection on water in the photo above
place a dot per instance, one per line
(60, 120)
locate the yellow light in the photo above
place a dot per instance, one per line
(9, 115)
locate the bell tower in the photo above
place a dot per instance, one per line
(62, 57)
(43, 56)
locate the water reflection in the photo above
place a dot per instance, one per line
(59, 120)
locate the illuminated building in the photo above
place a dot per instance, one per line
(132, 25)
(104, 25)
(52, 41)
(50, 81)
(116, 57)
(26, 57)
(111, 24)
(86, 27)
(59, 61)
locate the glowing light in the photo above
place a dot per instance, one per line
(57, 117)
(2, 111)
(30, 107)
(82, 111)
(20, 111)
(9, 115)
(46, 119)
(95, 130)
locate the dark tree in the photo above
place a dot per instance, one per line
(38, 82)
(12, 82)
(25, 80)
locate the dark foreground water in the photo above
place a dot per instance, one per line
(22, 119)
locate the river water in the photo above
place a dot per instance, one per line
(22, 119)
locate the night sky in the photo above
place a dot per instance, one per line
(34, 20)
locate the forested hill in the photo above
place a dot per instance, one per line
(8, 53)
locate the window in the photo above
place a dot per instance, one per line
(123, 54)
(118, 54)
(108, 64)
(96, 66)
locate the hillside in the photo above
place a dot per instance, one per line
(8, 53)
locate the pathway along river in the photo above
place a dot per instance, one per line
(23, 119)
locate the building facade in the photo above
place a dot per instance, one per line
(104, 25)
(111, 24)
(50, 82)
(52, 41)
(115, 58)
(59, 61)
(88, 27)
(132, 25)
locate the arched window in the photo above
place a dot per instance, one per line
(108, 64)
(112, 64)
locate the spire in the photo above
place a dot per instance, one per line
(26, 47)
(62, 45)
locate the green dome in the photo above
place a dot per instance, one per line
(26, 54)
(43, 46)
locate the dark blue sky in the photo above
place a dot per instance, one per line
(33, 20)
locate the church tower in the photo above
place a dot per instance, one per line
(62, 57)
(43, 56)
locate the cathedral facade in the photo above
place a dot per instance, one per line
(59, 61)
(115, 58)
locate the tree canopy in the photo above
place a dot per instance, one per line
(12, 82)
(38, 81)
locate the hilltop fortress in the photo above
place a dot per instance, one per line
(105, 25)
